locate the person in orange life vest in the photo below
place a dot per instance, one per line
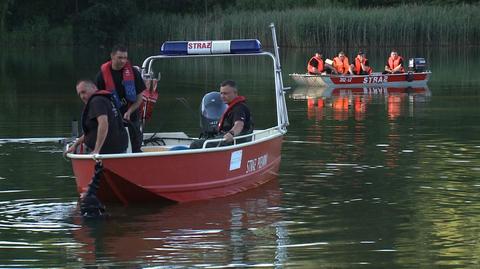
(126, 85)
(361, 66)
(236, 120)
(340, 63)
(103, 130)
(394, 64)
(315, 65)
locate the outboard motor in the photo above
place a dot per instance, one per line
(211, 110)
(417, 65)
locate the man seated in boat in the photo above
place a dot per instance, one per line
(361, 66)
(394, 64)
(316, 65)
(236, 120)
(103, 129)
(340, 64)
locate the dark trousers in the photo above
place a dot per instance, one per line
(136, 136)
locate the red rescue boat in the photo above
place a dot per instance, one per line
(374, 79)
(165, 173)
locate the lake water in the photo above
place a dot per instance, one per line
(385, 179)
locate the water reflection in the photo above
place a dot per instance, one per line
(235, 231)
(344, 103)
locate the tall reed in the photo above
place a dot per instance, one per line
(407, 25)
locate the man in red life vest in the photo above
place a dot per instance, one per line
(340, 63)
(361, 65)
(315, 64)
(126, 85)
(236, 120)
(394, 64)
(103, 130)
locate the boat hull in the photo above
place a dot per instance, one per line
(182, 176)
(374, 79)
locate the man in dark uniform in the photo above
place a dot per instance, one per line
(103, 130)
(126, 84)
(236, 120)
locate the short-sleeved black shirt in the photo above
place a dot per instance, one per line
(239, 112)
(116, 140)
(117, 76)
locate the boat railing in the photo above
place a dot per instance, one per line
(255, 135)
(178, 49)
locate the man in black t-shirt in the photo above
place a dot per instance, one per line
(236, 120)
(126, 84)
(103, 130)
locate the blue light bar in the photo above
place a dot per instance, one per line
(211, 47)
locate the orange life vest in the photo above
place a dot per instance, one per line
(341, 66)
(392, 63)
(310, 67)
(358, 66)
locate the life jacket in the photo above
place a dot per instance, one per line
(236, 100)
(392, 63)
(128, 82)
(149, 98)
(358, 66)
(310, 67)
(341, 66)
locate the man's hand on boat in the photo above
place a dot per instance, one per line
(74, 146)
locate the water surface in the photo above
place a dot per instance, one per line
(375, 178)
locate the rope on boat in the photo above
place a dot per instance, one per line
(90, 205)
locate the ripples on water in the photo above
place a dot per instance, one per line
(369, 182)
(378, 197)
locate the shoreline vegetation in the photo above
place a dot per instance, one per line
(303, 27)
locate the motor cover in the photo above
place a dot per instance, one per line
(417, 64)
(211, 110)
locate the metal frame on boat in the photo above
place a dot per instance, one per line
(374, 79)
(160, 173)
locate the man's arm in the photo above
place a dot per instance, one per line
(387, 68)
(133, 107)
(101, 133)
(399, 67)
(236, 129)
(75, 145)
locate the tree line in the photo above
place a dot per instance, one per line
(103, 22)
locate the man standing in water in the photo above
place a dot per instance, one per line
(126, 85)
(103, 131)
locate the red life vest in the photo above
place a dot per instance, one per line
(235, 101)
(358, 66)
(128, 81)
(149, 98)
(341, 66)
(310, 67)
(392, 63)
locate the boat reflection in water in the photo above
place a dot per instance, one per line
(344, 103)
(228, 231)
